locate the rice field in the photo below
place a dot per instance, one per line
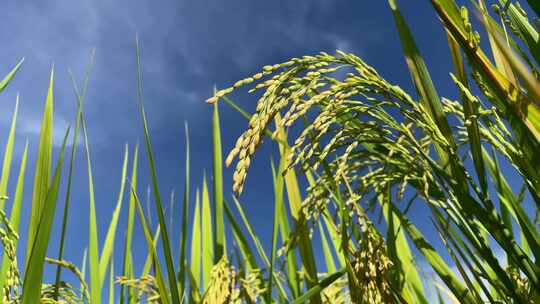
(357, 155)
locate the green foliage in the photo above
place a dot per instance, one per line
(370, 153)
(368, 140)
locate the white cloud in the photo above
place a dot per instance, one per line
(31, 128)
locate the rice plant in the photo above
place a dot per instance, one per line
(365, 144)
(370, 154)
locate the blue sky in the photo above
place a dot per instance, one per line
(187, 48)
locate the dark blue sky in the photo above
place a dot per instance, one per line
(187, 48)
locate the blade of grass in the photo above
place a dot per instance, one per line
(195, 264)
(15, 217)
(74, 144)
(42, 169)
(419, 73)
(285, 231)
(147, 204)
(108, 245)
(83, 268)
(328, 257)
(185, 207)
(148, 264)
(128, 256)
(252, 234)
(171, 273)
(207, 239)
(335, 238)
(320, 286)
(247, 254)
(434, 259)
(8, 156)
(427, 93)
(278, 211)
(7, 79)
(219, 224)
(195, 294)
(171, 210)
(93, 243)
(473, 132)
(400, 253)
(151, 243)
(36, 261)
(460, 265)
(509, 199)
(111, 283)
(251, 231)
(483, 272)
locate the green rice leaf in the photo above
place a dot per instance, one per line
(42, 169)
(36, 261)
(328, 257)
(292, 277)
(254, 239)
(185, 207)
(108, 245)
(470, 111)
(93, 243)
(149, 263)
(320, 286)
(196, 254)
(335, 238)
(207, 239)
(434, 259)
(167, 252)
(8, 155)
(219, 225)
(426, 91)
(251, 231)
(510, 200)
(402, 256)
(7, 79)
(127, 270)
(152, 252)
(80, 98)
(111, 283)
(15, 217)
(83, 267)
(243, 244)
